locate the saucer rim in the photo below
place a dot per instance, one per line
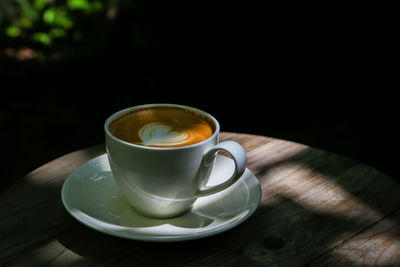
(154, 238)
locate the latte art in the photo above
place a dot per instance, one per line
(162, 127)
(157, 134)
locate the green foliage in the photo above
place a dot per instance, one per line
(42, 37)
(42, 21)
(12, 31)
(78, 4)
(85, 5)
(97, 6)
(58, 32)
(25, 22)
(39, 4)
(27, 9)
(57, 16)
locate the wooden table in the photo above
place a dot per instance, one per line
(317, 209)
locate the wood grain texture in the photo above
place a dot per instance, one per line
(318, 209)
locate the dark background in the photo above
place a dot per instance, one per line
(323, 79)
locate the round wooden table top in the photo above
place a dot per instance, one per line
(317, 209)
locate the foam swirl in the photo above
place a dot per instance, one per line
(157, 134)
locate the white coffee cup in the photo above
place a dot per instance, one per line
(164, 182)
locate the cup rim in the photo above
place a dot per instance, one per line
(122, 112)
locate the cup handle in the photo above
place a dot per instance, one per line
(239, 157)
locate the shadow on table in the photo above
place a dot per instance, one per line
(283, 232)
(362, 183)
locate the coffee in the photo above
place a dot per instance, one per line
(162, 127)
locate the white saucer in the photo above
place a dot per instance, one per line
(92, 197)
